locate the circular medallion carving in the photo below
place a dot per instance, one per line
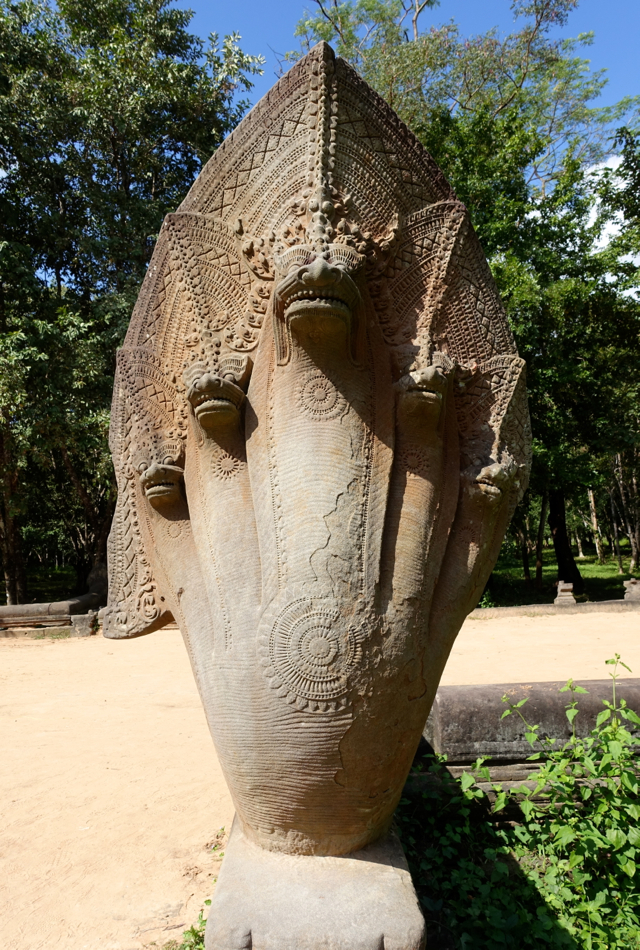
(310, 651)
(320, 398)
(414, 459)
(225, 466)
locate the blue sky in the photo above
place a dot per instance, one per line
(266, 26)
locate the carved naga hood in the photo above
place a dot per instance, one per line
(319, 424)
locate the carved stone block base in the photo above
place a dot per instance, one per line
(83, 625)
(270, 901)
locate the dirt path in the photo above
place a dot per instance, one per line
(522, 649)
(109, 794)
(110, 791)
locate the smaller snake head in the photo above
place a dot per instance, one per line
(217, 396)
(216, 401)
(495, 480)
(420, 399)
(161, 484)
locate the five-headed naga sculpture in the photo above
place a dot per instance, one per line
(320, 433)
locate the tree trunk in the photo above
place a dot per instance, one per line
(636, 496)
(595, 527)
(540, 539)
(576, 534)
(627, 512)
(615, 535)
(524, 552)
(567, 567)
(10, 537)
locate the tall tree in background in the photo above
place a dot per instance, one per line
(619, 195)
(107, 112)
(511, 122)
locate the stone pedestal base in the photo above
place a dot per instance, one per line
(83, 625)
(269, 901)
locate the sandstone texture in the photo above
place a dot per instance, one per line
(320, 432)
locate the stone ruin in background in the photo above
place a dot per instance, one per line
(320, 433)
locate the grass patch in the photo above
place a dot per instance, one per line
(508, 588)
(53, 633)
(45, 585)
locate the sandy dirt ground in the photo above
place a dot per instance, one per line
(543, 648)
(111, 795)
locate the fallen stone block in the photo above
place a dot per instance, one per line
(465, 722)
(84, 625)
(632, 590)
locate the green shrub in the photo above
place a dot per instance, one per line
(193, 938)
(548, 866)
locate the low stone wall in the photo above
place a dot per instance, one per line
(465, 722)
(76, 625)
(55, 614)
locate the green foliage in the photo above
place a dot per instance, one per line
(108, 111)
(507, 587)
(563, 873)
(193, 938)
(578, 334)
(619, 193)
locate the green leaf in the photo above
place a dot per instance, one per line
(527, 807)
(616, 836)
(466, 781)
(603, 716)
(629, 868)
(615, 748)
(565, 835)
(500, 802)
(633, 834)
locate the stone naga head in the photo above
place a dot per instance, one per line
(320, 433)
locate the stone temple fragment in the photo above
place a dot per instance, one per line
(320, 433)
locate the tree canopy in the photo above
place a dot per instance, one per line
(108, 111)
